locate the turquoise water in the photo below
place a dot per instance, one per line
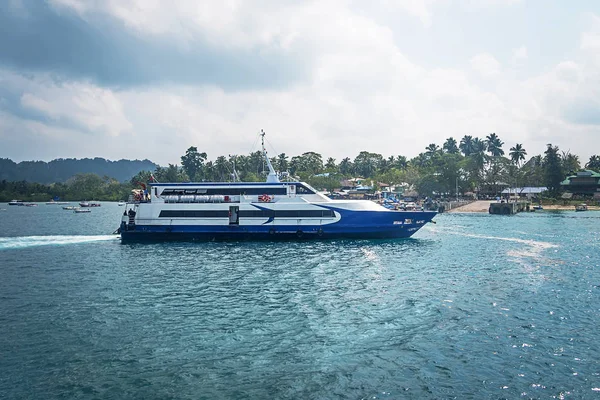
(476, 306)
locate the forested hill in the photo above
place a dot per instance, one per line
(61, 169)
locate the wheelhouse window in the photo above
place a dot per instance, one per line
(303, 189)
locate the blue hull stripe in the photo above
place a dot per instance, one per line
(353, 224)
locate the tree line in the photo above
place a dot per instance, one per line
(466, 165)
(454, 167)
(77, 188)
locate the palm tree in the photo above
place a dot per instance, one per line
(330, 165)
(494, 145)
(570, 162)
(478, 146)
(432, 150)
(346, 166)
(517, 154)
(282, 162)
(466, 145)
(400, 162)
(450, 146)
(593, 163)
(221, 166)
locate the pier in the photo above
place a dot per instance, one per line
(509, 208)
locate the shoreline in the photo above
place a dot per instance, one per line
(482, 206)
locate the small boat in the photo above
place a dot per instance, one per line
(581, 207)
(538, 207)
(88, 204)
(30, 205)
(16, 203)
(80, 210)
(121, 203)
(69, 208)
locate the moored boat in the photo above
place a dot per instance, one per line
(56, 201)
(16, 203)
(89, 204)
(249, 210)
(581, 207)
(69, 207)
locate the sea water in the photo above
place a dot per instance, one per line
(475, 306)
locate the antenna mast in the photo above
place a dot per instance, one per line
(272, 177)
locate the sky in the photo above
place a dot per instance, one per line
(139, 79)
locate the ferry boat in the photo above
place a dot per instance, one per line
(270, 210)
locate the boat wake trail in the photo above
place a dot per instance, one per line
(20, 242)
(530, 254)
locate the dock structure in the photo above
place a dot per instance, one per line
(509, 208)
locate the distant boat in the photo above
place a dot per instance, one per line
(581, 207)
(88, 204)
(52, 202)
(16, 203)
(80, 211)
(538, 207)
(30, 205)
(69, 208)
(121, 203)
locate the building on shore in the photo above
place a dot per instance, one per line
(583, 183)
(528, 192)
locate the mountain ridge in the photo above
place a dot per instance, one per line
(61, 169)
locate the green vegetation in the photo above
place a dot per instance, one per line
(468, 165)
(79, 187)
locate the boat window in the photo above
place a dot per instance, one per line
(247, 214)
(302, 189)
(193, 214)
(249, 191)
(287, 213)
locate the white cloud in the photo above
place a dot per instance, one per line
(519, 56)
(485, 64)
(362, 92)
(81, 106)
(590, 41)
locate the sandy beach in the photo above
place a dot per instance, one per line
(482, 206)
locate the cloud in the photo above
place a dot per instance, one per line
(485, 64)
(590, 41)
(147, 79)
(50, 38)
(519, 56)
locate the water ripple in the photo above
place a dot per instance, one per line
(470, 308)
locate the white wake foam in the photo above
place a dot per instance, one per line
(20, 242)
